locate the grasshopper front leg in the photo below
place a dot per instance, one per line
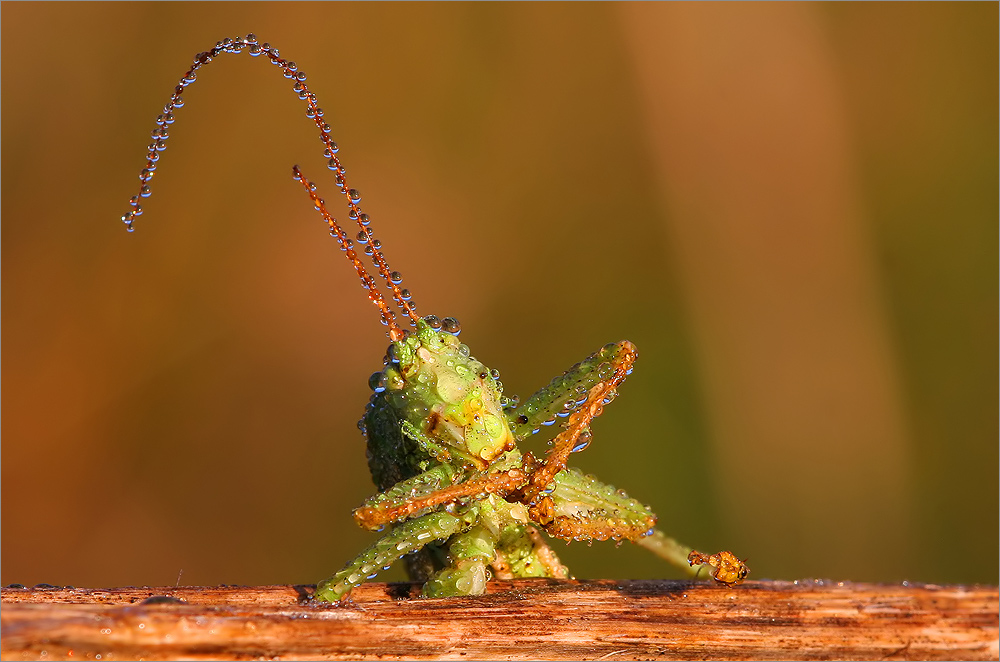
(439, 486)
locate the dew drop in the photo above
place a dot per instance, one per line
(392, 354)
(582, 441)
(451, 325)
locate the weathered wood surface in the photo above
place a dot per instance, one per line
(525, 619)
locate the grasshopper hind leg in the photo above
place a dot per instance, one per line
(571, 506)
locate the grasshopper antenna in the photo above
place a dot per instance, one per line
(315, 113)
(337, 232)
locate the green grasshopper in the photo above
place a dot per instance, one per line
(460, 501)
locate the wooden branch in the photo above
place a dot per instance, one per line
(524, 619)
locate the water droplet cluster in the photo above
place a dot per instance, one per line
(290, 71)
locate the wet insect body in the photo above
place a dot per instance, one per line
(457, 500)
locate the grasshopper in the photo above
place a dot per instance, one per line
(458, 502)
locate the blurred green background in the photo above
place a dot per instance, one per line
(791, 209)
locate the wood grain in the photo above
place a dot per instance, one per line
(524, 619)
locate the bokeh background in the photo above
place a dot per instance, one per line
(791, 209)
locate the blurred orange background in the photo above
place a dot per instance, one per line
(791, 209)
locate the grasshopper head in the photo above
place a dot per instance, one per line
(447, 394)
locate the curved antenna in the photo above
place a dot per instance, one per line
(315, 113)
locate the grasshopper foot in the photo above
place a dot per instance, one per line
(727, 568)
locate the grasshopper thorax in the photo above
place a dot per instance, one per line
(452, 401)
